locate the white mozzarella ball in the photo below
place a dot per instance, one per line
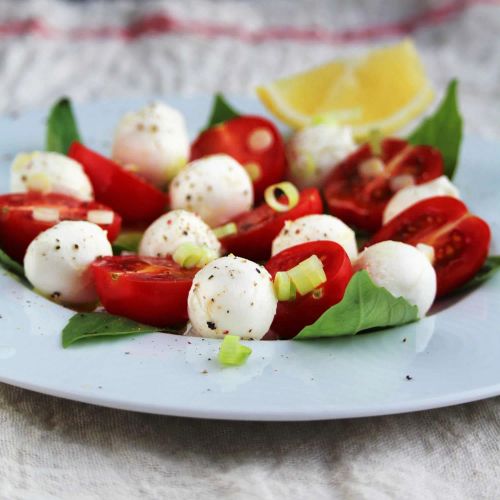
(316, 228)
(57, 261)
(233, 296)
(153, 142)
(315, 150)
(411, 195)
(49, 173)
(216, 187)
(403, 270)
(174, 228)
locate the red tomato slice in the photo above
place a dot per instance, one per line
(461, 240)
(18, 228)
(132, 197)
(257, 228)
(360, 200)
(150, 290)
(292, 316)
(250, 140)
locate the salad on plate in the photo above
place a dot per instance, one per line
(334, 228)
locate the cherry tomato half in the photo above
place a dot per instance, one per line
(253, 141)
(150, 290)
(18, 228)
(257, 228)
(132, 197)
(358, 196)
(461, 240)
(294, 315)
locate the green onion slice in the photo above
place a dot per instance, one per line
(375, 139)
(189, 255)
(284, 288)
(288, 189)
(232, 353)
(225, 230)
(324, 120)
(254, 171)
(307, 275)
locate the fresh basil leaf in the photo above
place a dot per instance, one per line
(14, 268)
(127, 242)
(364, 306)
(443, 130)
(221, 112)
(490, 267)
(62, 130)
(100, 324)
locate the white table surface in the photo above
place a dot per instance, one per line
(51, 448)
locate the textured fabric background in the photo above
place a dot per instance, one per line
(51, 448)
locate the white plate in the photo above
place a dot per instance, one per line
(452, 356)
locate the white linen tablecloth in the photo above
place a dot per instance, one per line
(51, 448)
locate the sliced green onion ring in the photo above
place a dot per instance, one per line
(254, 171)
(232, 353)
(283, 287)
(324, 120)
(189, 255)
(288, 189)
(308, 275)
(375, 139)
(225, 230)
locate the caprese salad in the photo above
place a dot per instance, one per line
(244, 232)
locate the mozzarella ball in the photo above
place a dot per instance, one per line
(153, 142)
(410, 195)
(216, 187)
(233, 296)
(316, 228)
(172, 229)
(315, 150)
(403, 270)
(57, 261)
(49, 173)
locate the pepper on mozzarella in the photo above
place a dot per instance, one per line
(48, 172)
(216, 187)
(153, 142)
(403, 270)
(57, 261)
(316, 228)
(233, 296)
(314, 151)
(408, 196)
(174, 228)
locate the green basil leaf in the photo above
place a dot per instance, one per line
(364, 306)
(221, 112)
(100, 324)
(14, 268)
(443, 130)
(62, 130)
(127, 242)
(490, 267)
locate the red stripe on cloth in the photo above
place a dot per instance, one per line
(162, 23)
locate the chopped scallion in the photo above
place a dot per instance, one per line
(225, 230)
(232, 353)
(289, 191)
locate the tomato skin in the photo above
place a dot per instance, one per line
(150, 290)
(231, 138)
(137, 201)
(460, 240)
(258, 227)
(18, 228)
(359, 201)
(292, 316)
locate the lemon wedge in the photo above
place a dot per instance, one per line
(384, 89)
